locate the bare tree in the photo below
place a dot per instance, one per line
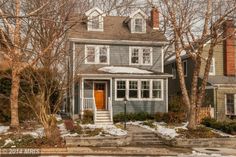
(191, 25)
(21, 31)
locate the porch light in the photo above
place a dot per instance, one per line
(125, 102)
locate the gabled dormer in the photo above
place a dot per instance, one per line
(95, 20)
(137, 21)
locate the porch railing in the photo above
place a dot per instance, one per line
(88, 104)
(110, 109)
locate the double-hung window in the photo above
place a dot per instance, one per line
(120, 89)
(230, 104)
(145, 89)
(95, 22)
(150, 89)
(140, 56)
(138, 25)
(96, 54)
(133, 89)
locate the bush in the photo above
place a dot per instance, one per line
(170, 117)
(176, 104)
(140, 116)
(69, 124)
(88, 117)
(225, 126)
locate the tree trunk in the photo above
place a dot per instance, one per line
(14, 98)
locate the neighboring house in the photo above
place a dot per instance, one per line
(113, 57)
(221, 86)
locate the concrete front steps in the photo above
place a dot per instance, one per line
(145, 138)
(103, 117)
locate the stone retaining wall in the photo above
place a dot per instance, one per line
(205, 142)
(97, 141)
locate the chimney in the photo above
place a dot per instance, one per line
(228, 48)
(155, 18)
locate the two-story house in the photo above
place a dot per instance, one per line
(221, 86)
(117, 57)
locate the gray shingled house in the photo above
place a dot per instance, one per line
(221, 87)
(113, 57)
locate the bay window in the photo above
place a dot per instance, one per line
(145, 89)
(133, 89)
(121, 89)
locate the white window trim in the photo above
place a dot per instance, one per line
(140, 55)
(185, 61)
(133, 25)
(139, 90)
(97, 47)
(214, 69)
(226, 104)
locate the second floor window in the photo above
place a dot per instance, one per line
(96, 54)
(140, 56)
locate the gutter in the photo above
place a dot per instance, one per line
(125, 75)
(118, 42)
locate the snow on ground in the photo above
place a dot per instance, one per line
(110, 129)
(222, 133)
(8, 141)
(161, 129)
(4, 129)
(64, 132)
(128, 70)
(198, 154)
(36, 133)
(58, 117)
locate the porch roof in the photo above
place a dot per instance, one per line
(221, 80)
(122, 71)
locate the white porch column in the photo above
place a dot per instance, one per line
(82, 97)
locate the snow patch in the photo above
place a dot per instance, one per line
(110, 129)
(36, 133)
(127, 70)
(163, 130)
(199, 154)
(4, 129)
(58, 117)
(8, 141)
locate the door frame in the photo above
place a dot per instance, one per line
(106, 96)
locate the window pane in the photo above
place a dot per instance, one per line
(95, 22)
(120, 84)
(120, 93)
(138, 25)
(103, 55)
(135, 56)
(230, 103)
(156, 94)
(156, 85)
(146, 56)
(145, 91)
(133, 89)
(90, 54)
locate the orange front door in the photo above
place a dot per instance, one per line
(100, 95)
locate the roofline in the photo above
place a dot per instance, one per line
(174, 60)
(127, 75)
(118, 42)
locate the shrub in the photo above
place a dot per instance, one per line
(69, 124)
(225, 126)
(170, 117)
(140, 116)
(176, 104)
(88, 117)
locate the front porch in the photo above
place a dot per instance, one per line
(96, 95)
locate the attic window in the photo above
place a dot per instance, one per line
(138, 25)
(95, 19)
(95, 22)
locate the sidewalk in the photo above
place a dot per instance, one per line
(105, 151)
(222, 151)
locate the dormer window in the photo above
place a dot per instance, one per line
(137, 22)
(138, 25)
(95, 19)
